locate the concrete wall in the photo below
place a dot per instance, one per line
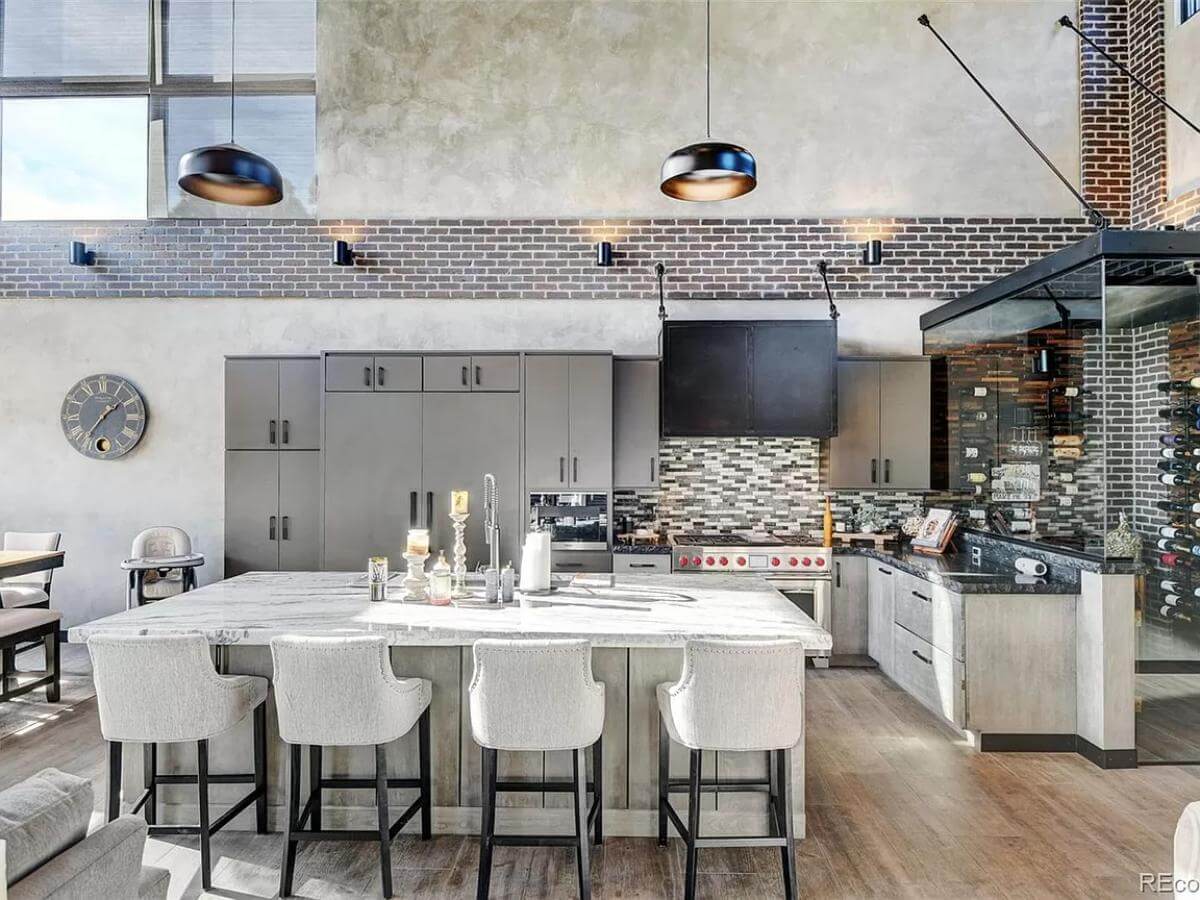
(1182, 44)
(173, 349)
(546, 107)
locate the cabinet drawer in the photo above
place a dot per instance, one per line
(932, 613)
(495, 373)
(447, 373)
(349, 373)
(572, 561)
(642, 563)
(397, 373)
(930, 675)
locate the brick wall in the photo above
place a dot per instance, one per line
(1104, 109)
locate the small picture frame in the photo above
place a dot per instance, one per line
(936, 530)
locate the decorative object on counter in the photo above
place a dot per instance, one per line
(936, 531)
(911, 526)
(827, 522)
(416, 582)
(439, 581)
(343, 253)
(81, 255)
(604, 253)
(1028, 566)
(460, 555)
(507, 583)
(877, 539)
(869, 518)
(708, 170)
(1122, 541)
(1094, 215)
(535, 562)
(377, 578)
(418, 542)
(491, 585)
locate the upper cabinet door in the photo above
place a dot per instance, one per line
(252, 404)
(792, 378)
(904, 424)
(495, 373)
(299, 404)
(547, 404)
(349, 373)
(635, 423)
(398, 373)
(854, 456)
(447, 373)
(591, 422)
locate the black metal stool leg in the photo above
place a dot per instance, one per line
(53, 666)
(381, 802)
(314, 784)
(582, 850)
(150, 777)
(598, 788)
(784, 777)
(291, 822)
(772, 795)
(487, 827)
(426, 776)
(664, 775)
(114, 780)
(260, 767)
(694, 772)
(202, 798)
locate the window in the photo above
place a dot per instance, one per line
(100, 98)
(74, 158)
(1187, 9)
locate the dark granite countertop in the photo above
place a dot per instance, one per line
(991, 579)
(642, 549)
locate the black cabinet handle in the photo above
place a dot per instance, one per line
(575, 468)
(367, 375)
(642, 566)
(464, 376)
(412, 509)
(271, 432)
(874, 470)
(285, 527)
(884, 571)
(887, 471)
(920, 596)
(652, 462)
(478, 376)
(271, 529)
(927, 662)
(570, 565)
(429, 509)
(379, 377)
(562, 463)
(837, 574)
(285, 431)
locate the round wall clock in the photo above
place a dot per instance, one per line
(103, 416)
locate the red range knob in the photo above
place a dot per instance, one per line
(710, 561)
(821, 561)
(741, 560)
(724, 560)
(683, 561)
(695, 560)
(793, 561)
(807, 561)
(774, 560)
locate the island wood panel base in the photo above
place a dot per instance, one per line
(630, 758)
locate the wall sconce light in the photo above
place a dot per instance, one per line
(604, 253)
(872, 254)
(343, 254)
(81, 255)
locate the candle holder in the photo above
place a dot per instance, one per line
(459, 571)
(416, 582)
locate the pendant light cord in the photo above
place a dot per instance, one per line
(232, 69)
(708, 68)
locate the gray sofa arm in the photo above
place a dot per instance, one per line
(107, 863)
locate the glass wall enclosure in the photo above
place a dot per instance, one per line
(1071, 398)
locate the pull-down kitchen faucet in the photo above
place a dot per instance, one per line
(491, 520)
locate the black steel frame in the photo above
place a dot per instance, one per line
(148, 801)
(587, 819)
(297, 817)
(46, 634)
(777, 786)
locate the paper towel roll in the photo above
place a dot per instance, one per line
(1027, 566)
(535, 562)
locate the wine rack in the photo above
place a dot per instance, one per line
(1186, 494)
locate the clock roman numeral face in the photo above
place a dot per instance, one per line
(103, 416)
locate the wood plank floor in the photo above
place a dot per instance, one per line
(897, 807)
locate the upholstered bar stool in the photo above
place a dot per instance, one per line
(733, 696)
(539, 696)
(341, 692)
(164, 690)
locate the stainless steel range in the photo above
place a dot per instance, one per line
(796, 565)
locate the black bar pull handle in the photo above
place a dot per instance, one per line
(570, 565)
(562, 470)
(464, 376)
(367, 375)
(478, 375)
(412, 509)
(642, 566)
(284, 522)
(887, 471)
(575, 469)
(928, 662)
(271, 432)
(837, 574)
(874, 470)
(652, 462)
(380, 375)
(921, 596)
(285, 431)
(271, 529)
(884, 571)
(429, 509)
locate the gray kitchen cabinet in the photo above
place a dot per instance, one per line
(251, 511)
(272, 403)
(881, 598)
(848, 617)
(883, 425)
(465, 436)
(299, 530)
(397, 373)
(635, 423)
(362, 373)
(590, 422)
(641, 563)
(349, 373)
(547, 408)
(372, 477)
(447, 373)
(484, 372)
(570, 562)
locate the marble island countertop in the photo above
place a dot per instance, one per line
(609, 610)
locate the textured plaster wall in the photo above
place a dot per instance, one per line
(567, 107)
(1182, 44)
(173, 351)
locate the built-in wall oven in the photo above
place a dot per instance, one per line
(576, 521)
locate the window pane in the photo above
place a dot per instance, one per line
(280, 127)
(73, 158)
(274, 37)
(75, 39)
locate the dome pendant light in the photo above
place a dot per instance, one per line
(708, 170)
(227, 173)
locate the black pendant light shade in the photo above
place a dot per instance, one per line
(709, 170)
(227, 173)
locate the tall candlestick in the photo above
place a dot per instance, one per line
(460, 555)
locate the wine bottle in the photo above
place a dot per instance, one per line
(1178, 452)
(1166, 386)
(1172, 612)
(1188, 411)
(1172, 440)
(1174, 478)
(1180, 601)
(1176, 506)
(1071, 390)
(1173, 546)
(1172, 560)
(1170, 586)
(1174, 531)
(1177, 465)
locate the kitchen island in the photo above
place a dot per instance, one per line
(638, 626)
